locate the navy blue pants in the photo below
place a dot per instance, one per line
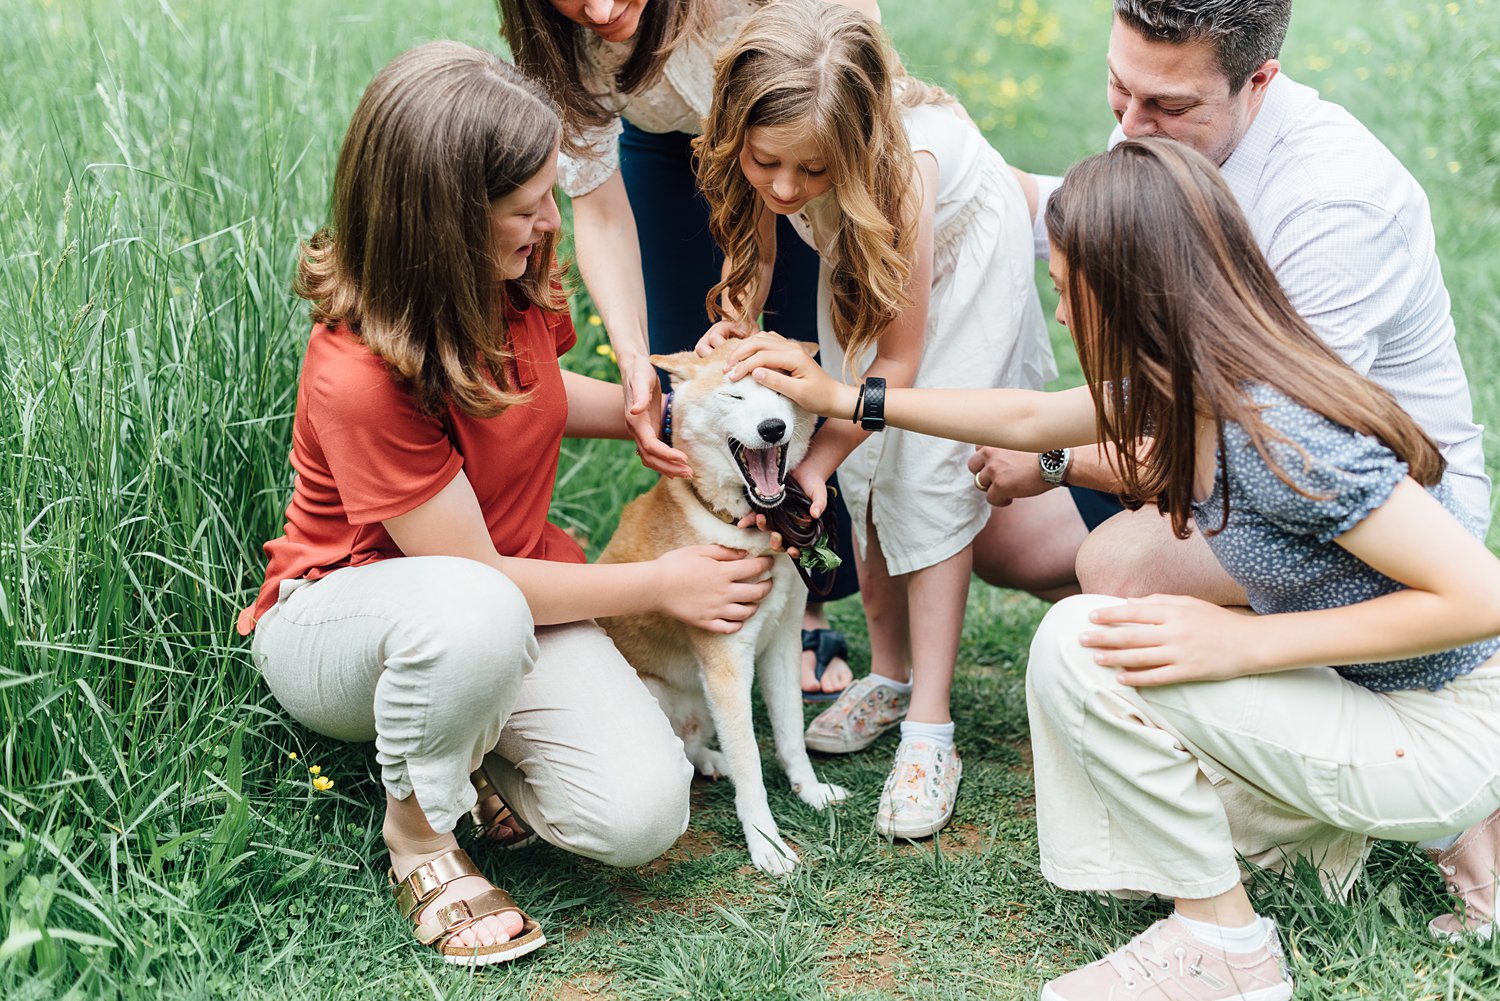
(1095, 506)
(680, 263)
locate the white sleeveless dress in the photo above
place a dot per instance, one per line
(984, 330)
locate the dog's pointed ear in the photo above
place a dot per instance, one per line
(808, 346)
(682, 365)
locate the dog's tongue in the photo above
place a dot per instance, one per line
(764, 472)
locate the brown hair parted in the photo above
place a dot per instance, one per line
(407, 263)
(1176, 314)
(828, 72)
(554, 50)
(1244, 33)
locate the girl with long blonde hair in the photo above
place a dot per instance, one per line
(632, 80)
(1358, 697)
(925, 279)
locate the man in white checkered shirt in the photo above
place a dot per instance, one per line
(1345, 227)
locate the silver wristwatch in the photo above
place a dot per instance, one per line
(1054, 465)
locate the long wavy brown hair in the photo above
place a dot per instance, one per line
(827, 72)
(1176, 314)
(408, 263)
(554, 51)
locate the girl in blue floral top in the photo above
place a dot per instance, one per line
(1358, 696)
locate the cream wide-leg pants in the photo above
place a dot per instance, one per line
(436, 660)
(1156, 790)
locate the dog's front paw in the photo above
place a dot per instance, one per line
(770, 854)
(819, 794)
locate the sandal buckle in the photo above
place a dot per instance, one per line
(424, 881)
(451, 914)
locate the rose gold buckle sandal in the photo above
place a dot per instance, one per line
(520, 835)
(427, 880)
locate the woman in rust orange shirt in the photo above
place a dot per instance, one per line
(419, 597)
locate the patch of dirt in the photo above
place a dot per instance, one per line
(1027, 765)
(965, 839)
(588, 987)
(877, 967)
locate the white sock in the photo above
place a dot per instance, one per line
(904, 687)
(940, 734)
(1227, 939)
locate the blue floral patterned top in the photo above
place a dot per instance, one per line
(1278, 544)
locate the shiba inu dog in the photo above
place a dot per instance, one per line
(741, 439)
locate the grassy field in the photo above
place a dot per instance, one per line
(160, 836)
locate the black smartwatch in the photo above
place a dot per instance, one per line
(872, 415)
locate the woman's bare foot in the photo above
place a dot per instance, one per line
(412, 841)
(837, 676)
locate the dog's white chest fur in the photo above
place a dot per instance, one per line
(740, 439)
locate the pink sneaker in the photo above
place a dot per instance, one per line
(1469, 867)
(1166, 962)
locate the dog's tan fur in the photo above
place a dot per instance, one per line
(702, 679)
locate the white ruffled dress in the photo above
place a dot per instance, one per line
(984, 329)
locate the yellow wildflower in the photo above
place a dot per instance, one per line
(595, 321)
(322, 783)
(1454, 167)
(292, 756)
(315, 770)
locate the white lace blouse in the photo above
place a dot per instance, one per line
(676, 102)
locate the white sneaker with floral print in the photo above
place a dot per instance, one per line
(866, 709)
(919, 794)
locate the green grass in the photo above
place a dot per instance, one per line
(158, 163)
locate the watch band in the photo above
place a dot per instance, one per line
(1054, 465)
(873, 416)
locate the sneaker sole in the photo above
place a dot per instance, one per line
(825, 744)
(912, 833)
(1481, 933)
(1280, 992)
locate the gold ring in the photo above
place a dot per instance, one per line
(981, 486)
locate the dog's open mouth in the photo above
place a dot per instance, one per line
(764, 472)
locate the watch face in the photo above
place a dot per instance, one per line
(1054, 465)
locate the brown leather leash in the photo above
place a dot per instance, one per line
(792, 519)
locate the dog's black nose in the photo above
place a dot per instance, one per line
(772, 430)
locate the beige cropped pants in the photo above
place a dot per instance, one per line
(436, 660)
(1157, 790)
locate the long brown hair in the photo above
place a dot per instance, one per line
(554, 50)
(1176, 314)
(440, 134)
(829, 72)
